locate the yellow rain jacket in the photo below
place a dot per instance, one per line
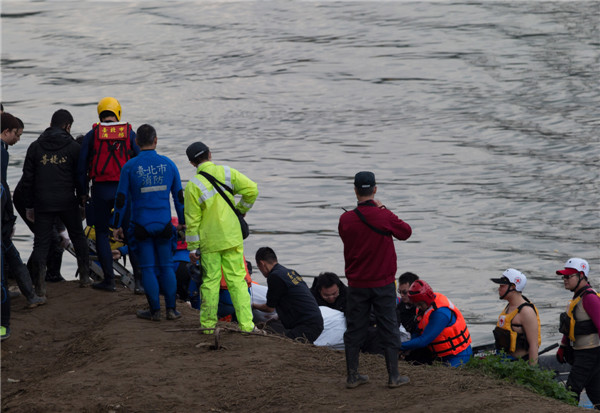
(211, 223)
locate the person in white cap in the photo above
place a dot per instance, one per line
(580, 325)
(517, 331)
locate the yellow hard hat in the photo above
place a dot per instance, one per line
(111, 105)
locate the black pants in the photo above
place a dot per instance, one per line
(359, 302)
(308, 331)
(14, 264)
(585, 374)
(44, 222)
(5, 308)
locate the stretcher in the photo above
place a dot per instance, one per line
(122, 274)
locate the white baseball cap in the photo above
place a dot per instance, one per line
(512, 276)
(574, 265)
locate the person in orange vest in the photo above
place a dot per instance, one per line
(443, 328)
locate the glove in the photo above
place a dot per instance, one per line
(560, 355)
(30, 214)
(65, 240)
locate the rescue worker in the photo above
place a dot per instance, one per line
(298, 312)
(580, 325)
(50, 192)
(443, 328)
(11, 257)
(5, 297)
(213, 232)
(144, 188)
(370, 265)
(517, 331)
(104, 151)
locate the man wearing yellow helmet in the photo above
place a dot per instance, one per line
(104, 151)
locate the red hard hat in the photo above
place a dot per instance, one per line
(421, 291)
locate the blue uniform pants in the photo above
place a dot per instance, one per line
(158, 275)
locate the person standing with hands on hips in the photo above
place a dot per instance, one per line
(370, 262)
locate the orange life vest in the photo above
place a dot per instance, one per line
(111, 149)
(247, 277)
(453, 339)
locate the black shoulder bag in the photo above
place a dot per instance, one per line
(218, 184)
(377, 230)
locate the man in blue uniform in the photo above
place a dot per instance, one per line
(145, 184)
(104, 151)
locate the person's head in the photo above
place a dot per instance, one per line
(404, 283)
(109, 110)
(364, 184)
(62, 119)
(575, 274)
(197, 153)
(421, 294)
(265, 259)
(511, 282)
(145, 136)
(328, 286)
(20, 129)
(10, 128)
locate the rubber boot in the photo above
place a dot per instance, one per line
(54, 262)
(391, 362)
(83, 268)
(40, 279)
(354, 378)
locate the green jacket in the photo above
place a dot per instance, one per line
(211, 223)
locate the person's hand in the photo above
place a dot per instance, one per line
(64, 239)
(560, 355)
(194, 257)
(116, 254)
(30, 214)
(118, 234)
(83, 199)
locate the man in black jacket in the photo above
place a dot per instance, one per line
(50, 191)
(329, 291)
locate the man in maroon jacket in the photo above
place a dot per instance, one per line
(370, 260)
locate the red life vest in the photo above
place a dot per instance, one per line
(453, 339)
(111, 149)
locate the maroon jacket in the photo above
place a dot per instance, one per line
(371, 257)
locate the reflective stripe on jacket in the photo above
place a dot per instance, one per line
(211, 223)
(453, 339)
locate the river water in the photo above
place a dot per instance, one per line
(479, 119)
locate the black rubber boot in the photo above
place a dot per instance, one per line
(39, 279)
(354, 378)
(391, 362)
(83, 268)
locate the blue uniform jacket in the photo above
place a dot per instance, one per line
(146, 181)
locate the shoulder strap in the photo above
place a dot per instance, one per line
(377, 230)
(527, 304)
(217, 184)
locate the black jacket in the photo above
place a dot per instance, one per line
(50, 172)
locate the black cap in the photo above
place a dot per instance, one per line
(364, 179)
(195, 150)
